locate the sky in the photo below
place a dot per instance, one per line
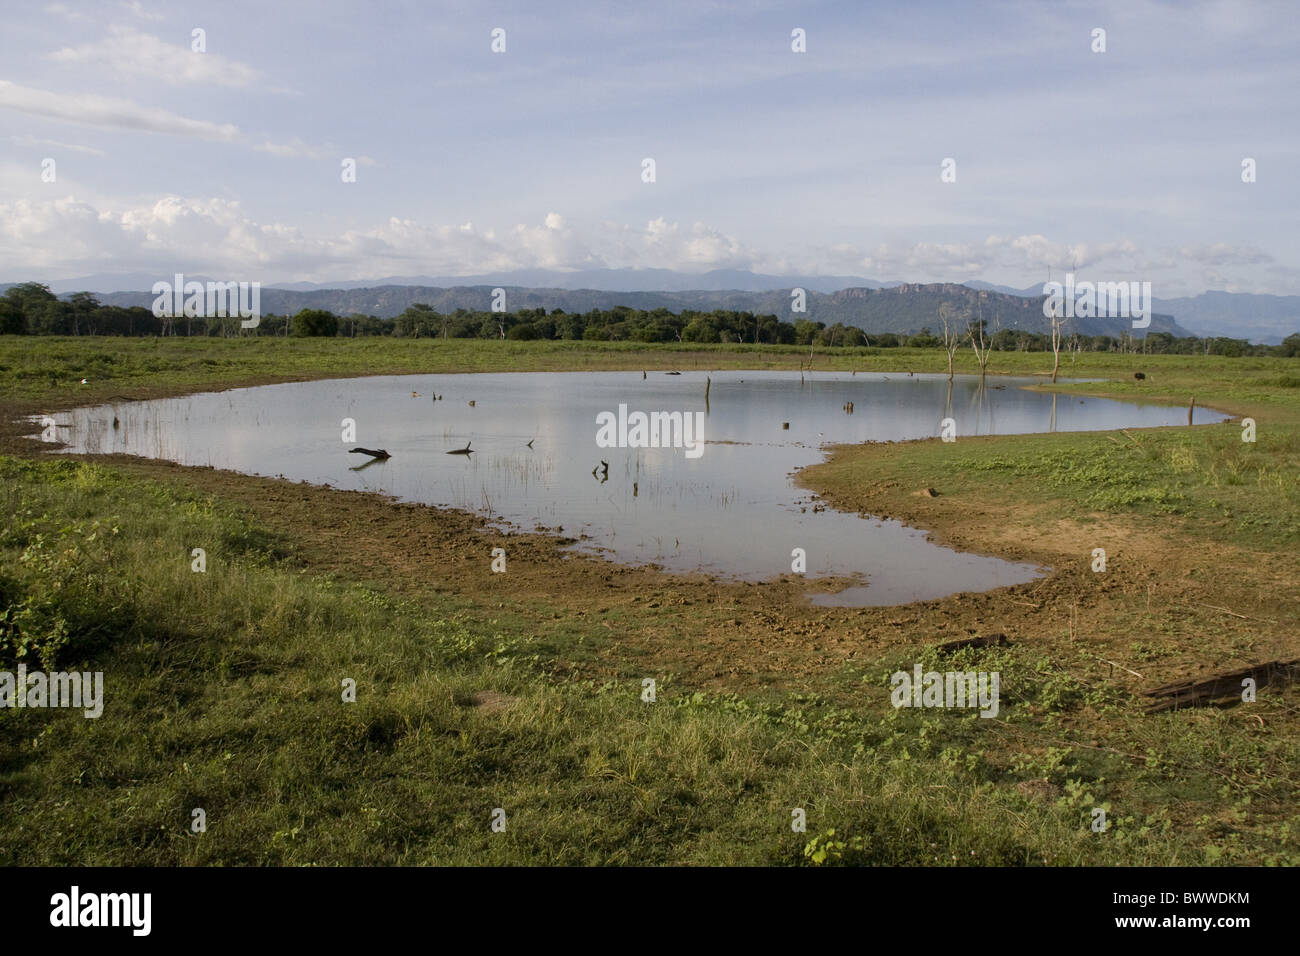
(1121, 165)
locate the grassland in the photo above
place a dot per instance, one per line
(50, 369)
(474, 692)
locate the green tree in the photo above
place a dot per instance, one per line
(805, 331)
(700, 329)
(924, 340)
(1290, 347)
(38, 307)
(81, 309)
(853, 337)
(419, 319)
(316, 323)
(11, 318)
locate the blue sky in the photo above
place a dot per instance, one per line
(1125, 163)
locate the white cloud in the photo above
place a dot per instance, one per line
(65, 11)
(127, 51)
(109, 112)
(662, 243)
(113, 113)
(39, 235)
(217, 235)
(26, 140)
(295, 148)
(63, 237)
(137, 8)
(1225, 254)
(1028, 257)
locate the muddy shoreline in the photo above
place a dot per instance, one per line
(740, 633)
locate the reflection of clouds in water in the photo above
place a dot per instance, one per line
(732, 511)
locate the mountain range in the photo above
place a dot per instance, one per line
(1266, 319)
(871, 305)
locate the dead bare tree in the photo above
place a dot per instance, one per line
(1058, 322)
(951, 334)
(1058, 326)
(981, 338)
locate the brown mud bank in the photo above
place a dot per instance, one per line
(1174, 601)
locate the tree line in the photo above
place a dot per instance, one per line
(32, 309)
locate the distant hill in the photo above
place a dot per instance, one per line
(1264, 319)
(614, 280)
(1260, 318)
(906, 308)
(909, 307)
(609, 280)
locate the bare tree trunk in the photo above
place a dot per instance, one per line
(1056, 345)
(980, 346)
(951, 339)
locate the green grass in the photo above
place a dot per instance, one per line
(224, 688)
(50, 367)
(223, 692)
(1250, 491)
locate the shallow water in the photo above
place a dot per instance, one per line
(733, 511)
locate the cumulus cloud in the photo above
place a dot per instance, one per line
(126, 51)
(1038, 253)
(219, 235)
(47, 235)
(63, 237)
(109, 112)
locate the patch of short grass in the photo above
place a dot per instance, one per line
(224, 692)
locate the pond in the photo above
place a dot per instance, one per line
(726, 507)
